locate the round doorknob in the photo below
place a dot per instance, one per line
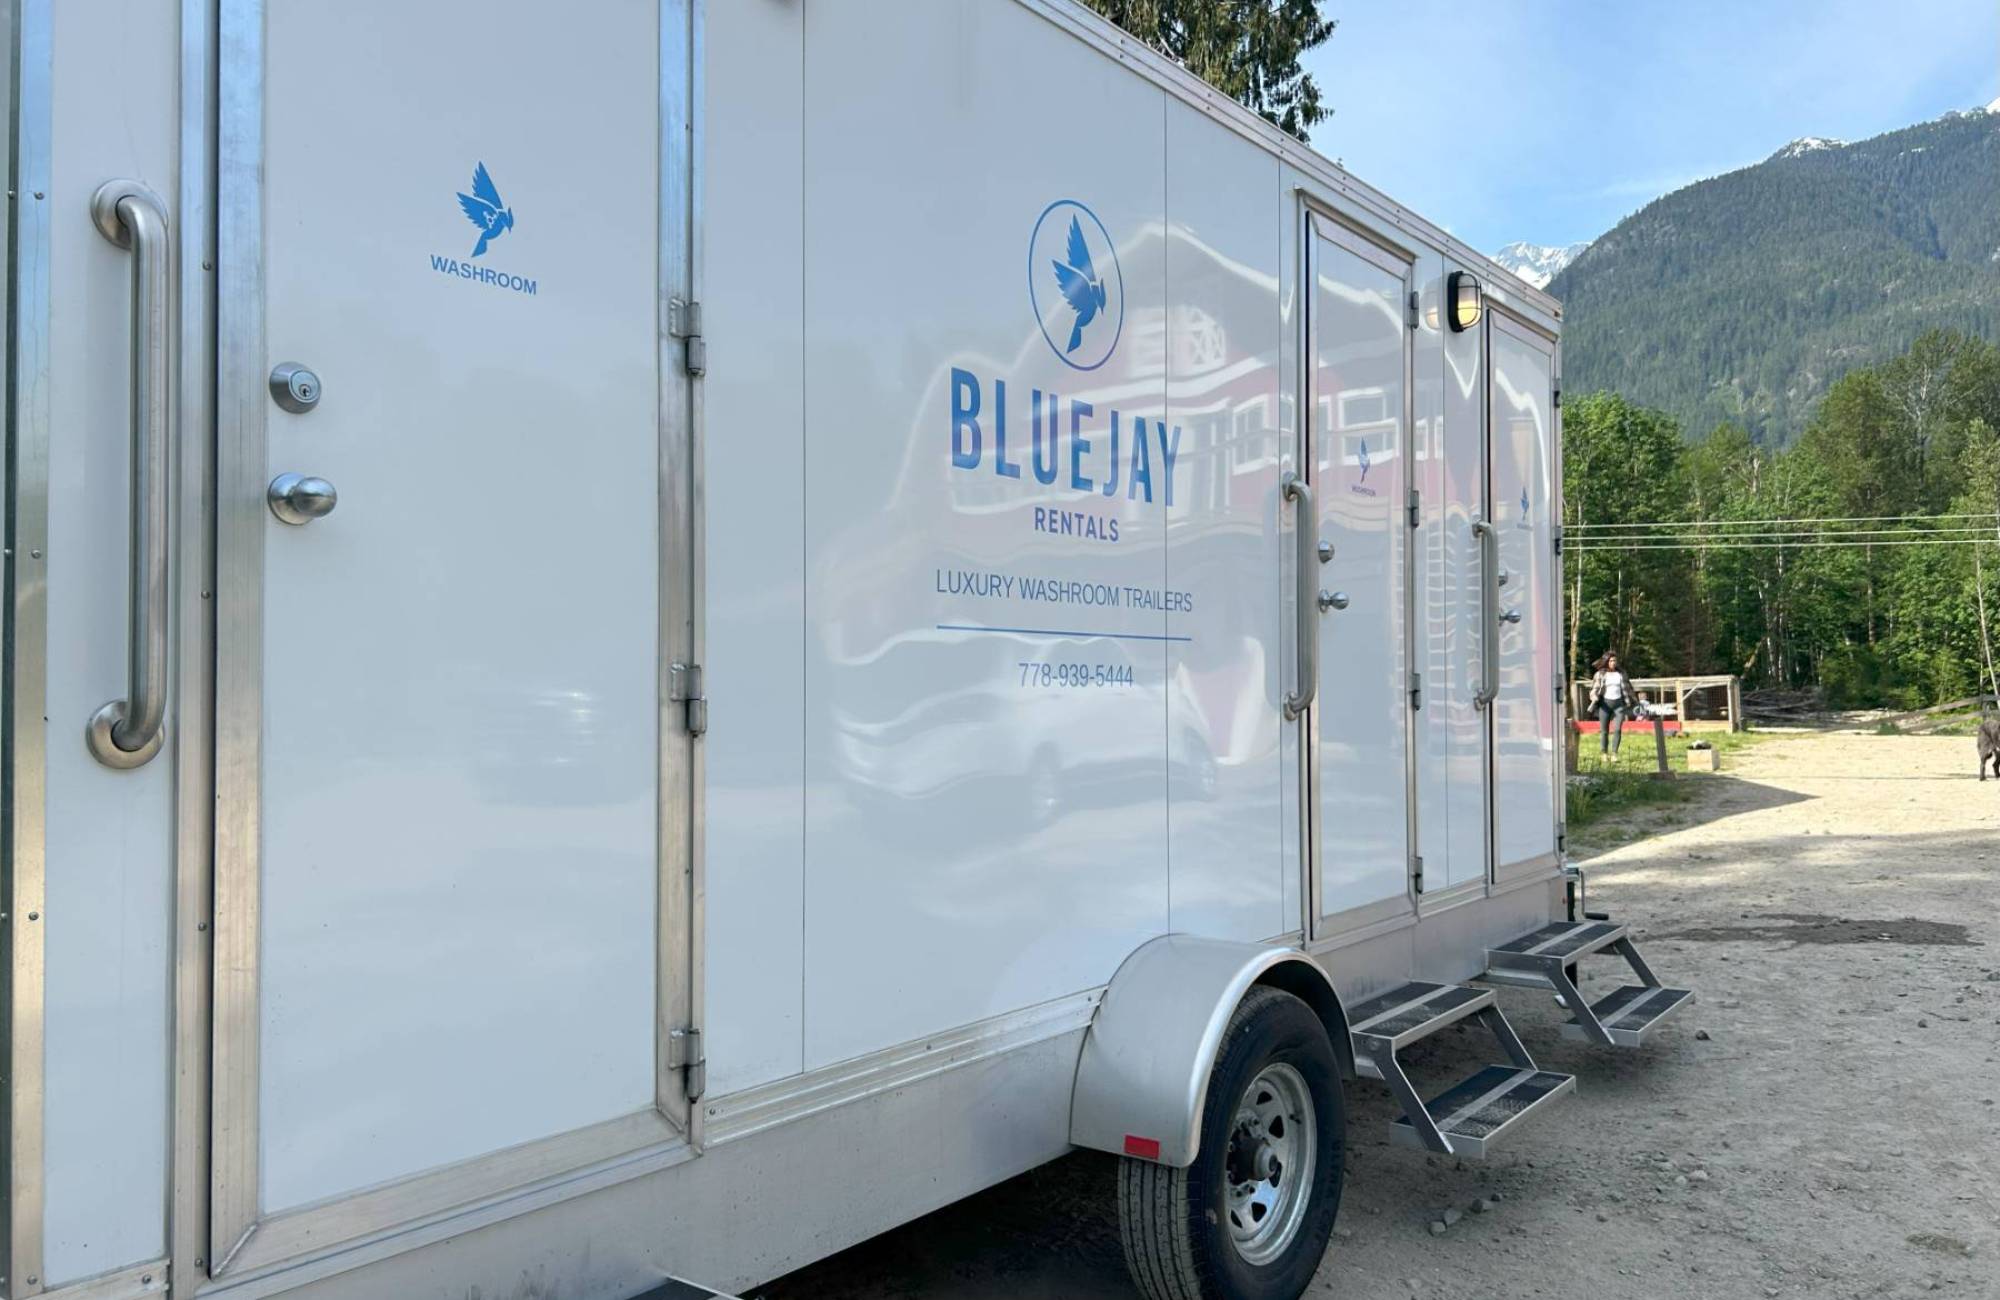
(1332, 600)
(300, 499)
(1511, 616)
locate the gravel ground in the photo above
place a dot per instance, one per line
(1825, 1122)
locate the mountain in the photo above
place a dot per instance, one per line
(1537, 263)
(1744, 296)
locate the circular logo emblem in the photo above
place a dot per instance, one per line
(1075, 284)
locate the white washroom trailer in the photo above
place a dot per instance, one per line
(644, 638)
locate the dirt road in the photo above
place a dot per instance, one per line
(1824, 1123)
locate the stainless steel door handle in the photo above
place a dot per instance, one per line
(1297, 489)
(1332, 600)
(1489, 598)
(1511, 616)
(126, 733)
(300, 499)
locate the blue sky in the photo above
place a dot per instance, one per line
(1548, 120)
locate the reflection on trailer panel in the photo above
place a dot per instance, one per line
(683, 635)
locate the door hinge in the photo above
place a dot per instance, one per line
(684, 1054)
(1557, 534)
(1410, 310)
(684, 684)
(1556, 396)
(1562, 841)
(1417, 871)
(1416, 691)
(684, 323)
(1415, 506)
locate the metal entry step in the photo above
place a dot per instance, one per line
(1565, 941)
(1547, 958)
(1474, 1114)
(1631, 1013)
(1469, 1117)
(1415, 1011)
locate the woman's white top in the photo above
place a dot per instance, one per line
(1614, 686)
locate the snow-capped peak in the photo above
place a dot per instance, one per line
(1808, 144)
(1994, 107)
(1538, 263)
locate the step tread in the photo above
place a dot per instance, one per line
(1416, 1005)
(1561, 941)
(1475, 1110)
(1631, 1012)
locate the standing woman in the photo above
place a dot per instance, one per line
(1613, 698)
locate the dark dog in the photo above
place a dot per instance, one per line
(1989, 745)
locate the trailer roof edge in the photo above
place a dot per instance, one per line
(1192, 90)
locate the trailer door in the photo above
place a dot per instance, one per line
(1525, 716)
(1358, 384)
(452, 842)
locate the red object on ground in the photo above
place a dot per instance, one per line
(1643, 725)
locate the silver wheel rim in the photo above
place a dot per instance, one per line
(1273, 1145)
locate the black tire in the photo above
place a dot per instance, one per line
(1175, 1222)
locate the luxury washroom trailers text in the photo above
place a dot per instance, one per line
(645, 638)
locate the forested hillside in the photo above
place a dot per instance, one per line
(1742, 298)
(1863, 560)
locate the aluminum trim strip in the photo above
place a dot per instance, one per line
(241, 1241)
(452, 1223)
(679, 795)
(1355, 236)
(298, 1234)
(194, 648)
(240, 410)
(134, 1283)
(1358, 237)
(23, 731)
(755, 1109)
(736, 1116)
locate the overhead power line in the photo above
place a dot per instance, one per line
(1724, 544)
(1761, 523)
(1784, 534)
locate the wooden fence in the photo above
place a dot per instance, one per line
(1698, 703)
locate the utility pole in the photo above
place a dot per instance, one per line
(1979, 591)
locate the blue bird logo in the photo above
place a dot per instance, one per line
(1080, 285)
(1362, 456)
(484, 209)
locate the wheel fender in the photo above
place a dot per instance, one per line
(1142, 1079)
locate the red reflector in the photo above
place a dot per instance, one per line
(1144, 1148)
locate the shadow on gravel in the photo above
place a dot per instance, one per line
(1707, 798)
(1813, 927)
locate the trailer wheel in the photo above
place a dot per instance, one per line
(1250, 1218)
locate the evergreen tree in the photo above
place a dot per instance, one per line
(1247, 49)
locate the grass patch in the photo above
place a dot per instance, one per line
(1602, 789)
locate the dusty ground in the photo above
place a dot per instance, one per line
(1824, 1123)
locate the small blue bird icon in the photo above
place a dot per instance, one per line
(483, 208)
(1080, 285)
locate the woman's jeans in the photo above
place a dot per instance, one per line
(1611, 726)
